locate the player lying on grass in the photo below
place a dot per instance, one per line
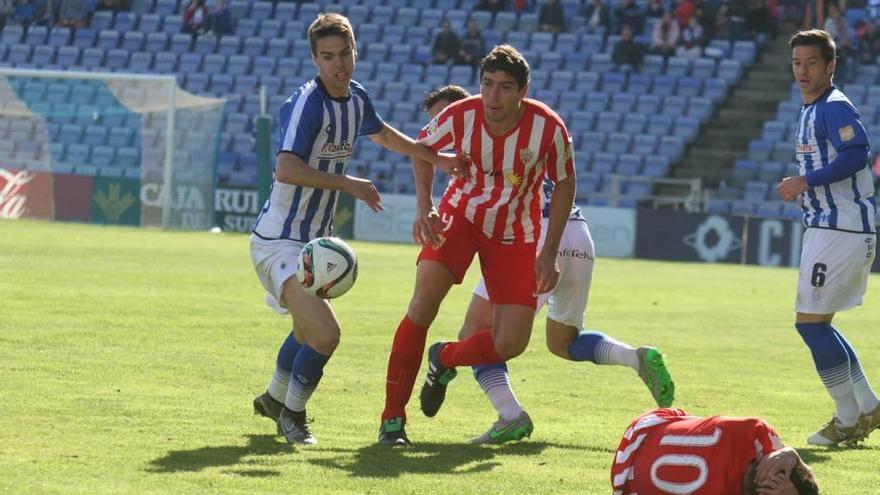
(666, 451)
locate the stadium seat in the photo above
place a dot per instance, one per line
(634, 123)
(674, 105)
(254, 47)
(664, 85)
(59, 36)
(84, 37)
(264, 66)
(623, 102)
(686, 128)
(165, 62)
(358, 15)
(117, 60)
(120, 137)
(730, 71)
(771, 171)
(180, 43)
(689, 87)
(133, 41)
(652, 65)
(107, 39)
(648, 104)
(703, 68)
(95, 135)
(12, 34)
(701, 108)
(238, 65)
(43, 55)
(214, 63)
(284, 11)
(125, 22)
(504, 22)
(261, 11)
(659, 125)
(92, 57)
(601, 62)
(618, 142)
(603, 163)
(229, 45)
(67, 56)
(655, 166)
(205, 45)
(582, 121)
(608, 122)
(36, 35)
(150, 23)
(196, 82)
(715, 89)
(671, 147)
(678, 66)
(597, 101)
(172, 25)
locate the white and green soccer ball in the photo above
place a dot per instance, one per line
(327, 267)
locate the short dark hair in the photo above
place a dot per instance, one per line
(330, 24)
(450, 93)
(816, 37)
(508, 59)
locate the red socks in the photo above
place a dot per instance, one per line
(403, 367)
(477, 349)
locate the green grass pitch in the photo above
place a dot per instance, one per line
(129, 359)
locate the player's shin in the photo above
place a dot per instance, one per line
(280, 380)
(308, 368)
(865, 396)
(832, 364)
(479, 348)
(403, 367)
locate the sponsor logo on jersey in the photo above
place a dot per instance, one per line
(846, 133)
(526, 156)
(804, 148)
(575, 253)
(331, 151)
(514, 179)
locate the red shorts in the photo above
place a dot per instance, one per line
(508, 269)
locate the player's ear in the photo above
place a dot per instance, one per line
(524, 91)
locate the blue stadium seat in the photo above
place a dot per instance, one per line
(165, 7)
(36, 35)
(528, 22)
(196, 82)
(541, 41)
(78, 153)
(674, 105)
(165, 62)
(229, 45)
(150, 23)
(572, 99)
(205, 45)
(608, 122)
(59, 36)
(603, 162)
(308, 12)
(671, 147)
(254, 46)
(622, 102)
(120, 137)
(678, 66)
(261, 11)
(689, 87)
(659, 125)
(84, 37)
(773, 131)
(214, 63)
(101, 19)
(133, 41)
(759, 151)
(172, 25)
(117, 60)
(411, 73)
(431, 18)
(157, 42)
(664, 85)
(592, 142)
(180, 43)
(301, 49)
(597, 101)
(634, 123)
(107, 39)
(582, 121)
(638, 84)
(95, 135)
(70, 133)
(730, 71)
(43, 55)
(782, 152)
(566, 42)
(629, 164)
(190, 62)
(271, 29)
(652, 65)
(644, 144)
(618, 142)
(613, 82)
(504, 22)
(284, 11)
(68, 56)
(92, 57)
(703, 68)
(744, 52)
(278, 48)
(264, 66)
(586, 81)
(686, 127)
(238, 65)
(648, 104)
(601, 62)
(125, 22)
(12, 34)
(715, 89)
(518, 39)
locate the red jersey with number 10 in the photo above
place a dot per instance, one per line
(665, 451)
(503, 198)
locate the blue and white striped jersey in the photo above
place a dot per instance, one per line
(548, 187)
(321, 131)
(827, 127)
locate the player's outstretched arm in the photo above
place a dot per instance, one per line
(546, 269)
(398, 142)
(290, 169)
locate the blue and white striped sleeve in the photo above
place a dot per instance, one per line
(300, 120)
(843, 127)
(371, 122)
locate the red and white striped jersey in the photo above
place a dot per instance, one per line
(665, 451)
(503, 197)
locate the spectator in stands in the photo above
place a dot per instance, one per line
(113, 5)
(868, 41)
(6, 7)
(551, 18)
(684, 11)
(791, 13)
(73, 14)
(598, 17)
(220, 21)
(195, 17)
(23, 12)
(736, 19)
(656, 8)
(628, 52)
(837, 26)
(759, 18)
(664, 40)
(473, 47)
(631, 14)
(691, 39)
(493, 6)
(707, 14)
(446, 45)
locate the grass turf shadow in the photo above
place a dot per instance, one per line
(193, 460)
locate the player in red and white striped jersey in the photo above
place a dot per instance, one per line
(666, 451)
(511, 143)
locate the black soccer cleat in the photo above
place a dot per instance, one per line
(265, 405)
(392, 432)
(434, 389)
(294, 427)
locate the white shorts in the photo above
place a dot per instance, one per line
(834, 270)
(568, 300)
(275, 262)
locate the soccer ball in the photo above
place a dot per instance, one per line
(327, 267)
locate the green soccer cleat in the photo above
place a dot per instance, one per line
(652, 371)
(268, 407)
(434, 389)
(507, 431)
(392, 432)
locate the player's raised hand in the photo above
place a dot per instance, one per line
(454, 165)
(427, 227)
(779, 461)
(546, 271)
(365, 191)
(792, 187)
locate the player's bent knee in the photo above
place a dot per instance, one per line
(558, 348)
(325, 342)
(509, 348)
(423, 309)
